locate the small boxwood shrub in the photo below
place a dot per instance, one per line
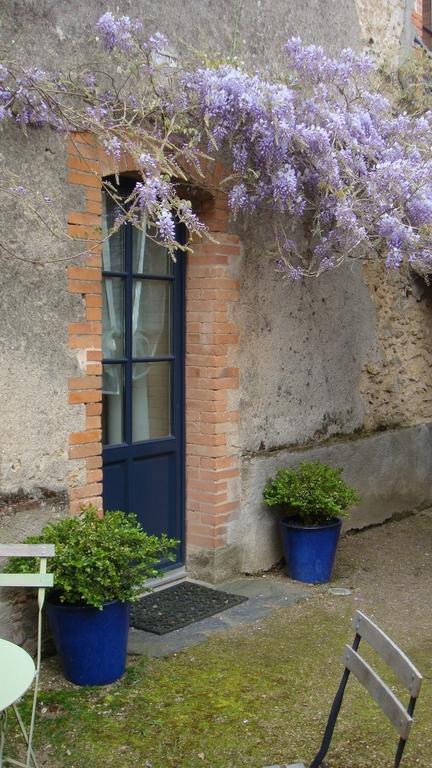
(313, 493)
(99, 559)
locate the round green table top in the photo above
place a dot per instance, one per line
(17, 671)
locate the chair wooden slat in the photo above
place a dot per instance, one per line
(389, 652)
(26, 580)
(27, 550)
(382, 694)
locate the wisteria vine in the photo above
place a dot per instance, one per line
(339, 171)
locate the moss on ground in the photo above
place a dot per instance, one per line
(245, 698)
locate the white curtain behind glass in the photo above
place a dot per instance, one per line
(148, 322)
(112, 329)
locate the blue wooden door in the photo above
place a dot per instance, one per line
(143, 381)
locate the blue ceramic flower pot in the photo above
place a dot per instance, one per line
(310, 550)
(91, 643)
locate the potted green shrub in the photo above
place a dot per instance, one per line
(313, 498)
(100, 566)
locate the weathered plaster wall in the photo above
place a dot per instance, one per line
(254, 29)
(382, 24)
(34, 310)
(303, 348)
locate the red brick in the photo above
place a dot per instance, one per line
(199, 259)
(93, 409)
(85, 146)
(193, 348)
(213, 451)
(89, 327)
(84, 179)
(219, 474)
(216, 383)
(86, 164)
(83, 491)
(197, 438)
(94, 313)
(84, 273)
(83, 451)
(94, 207)
(214, 509)
(93, 300)
(84, 217)
(94, 369)
(84, 341)
(94, 354)
(93, 462)
(227, 462)
(211, 361)
(194, 497)
(191, 460)
(94, 476)
(94, 259)
(85, 286)
(85, 396)
(79, 232)
(88, 436)
(94, 195)
(93, 422)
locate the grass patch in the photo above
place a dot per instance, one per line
(247, 698)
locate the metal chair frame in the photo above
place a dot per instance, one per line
(400, 716)
(40, 580)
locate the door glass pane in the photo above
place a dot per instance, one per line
(112, 404)
(151, 400)
(150, 258)
(113, 318)
(151, 307)
(113, 245)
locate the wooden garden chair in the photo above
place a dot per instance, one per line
(18, 671)
(400, 716)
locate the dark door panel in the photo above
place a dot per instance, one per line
(143, 379)
(153, 493)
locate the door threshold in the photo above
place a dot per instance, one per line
(173, 576)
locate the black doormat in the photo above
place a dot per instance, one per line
(178, 606)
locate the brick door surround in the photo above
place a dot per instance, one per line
(211, 364)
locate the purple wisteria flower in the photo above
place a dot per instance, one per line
(320, 148)
(166, 227)
(113, 147)
(151, 191)
(115, 32)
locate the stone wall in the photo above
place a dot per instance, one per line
(382, 25)
(396, 383)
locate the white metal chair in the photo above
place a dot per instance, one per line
(400, 716)
(17, 668)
